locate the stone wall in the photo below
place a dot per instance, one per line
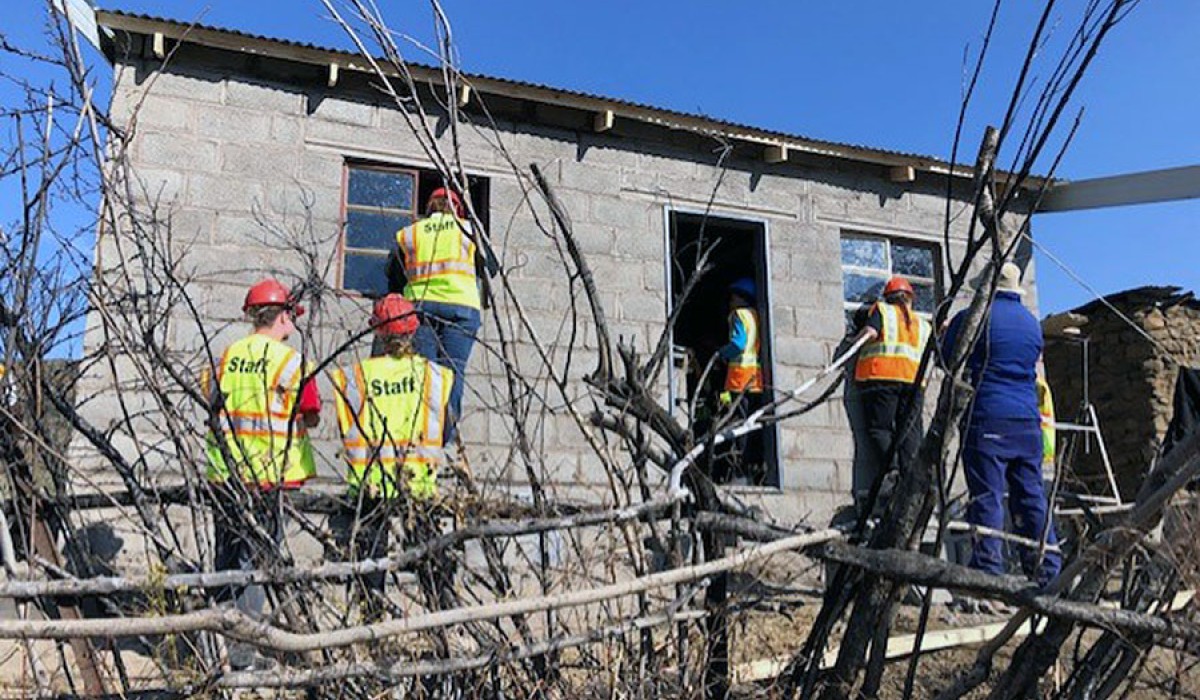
(1131, 379)
(238, 149)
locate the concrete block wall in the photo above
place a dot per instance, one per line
(246, 166)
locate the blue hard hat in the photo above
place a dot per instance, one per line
(745, 287)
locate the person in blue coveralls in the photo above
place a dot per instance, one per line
(1002, 436)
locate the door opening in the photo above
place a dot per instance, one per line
(736, 250)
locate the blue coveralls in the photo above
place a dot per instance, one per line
(1002, 437)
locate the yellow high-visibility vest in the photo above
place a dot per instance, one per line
(258, 382)
(439, 261)
(744, 372)
(392, 414)
(1046, 410)
(895, 355)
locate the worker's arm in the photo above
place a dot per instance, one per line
(396, 279)
(309, 406)
(950, 339)
(737, 341)
(872, 327)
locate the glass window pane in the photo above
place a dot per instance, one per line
(377, 188)
(859, 287)
(925, 300)
(864, 252)
(912, 260)
(366, 229)
(365, 273)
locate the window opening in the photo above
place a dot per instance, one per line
(868, 261)
(379, 201)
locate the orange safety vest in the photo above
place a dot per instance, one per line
(744, 373)
(257, 385)
(895, 354)
(392, 415)
(439, 261)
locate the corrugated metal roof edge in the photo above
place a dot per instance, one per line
(232, 39)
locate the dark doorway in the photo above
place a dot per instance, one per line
(736, 249)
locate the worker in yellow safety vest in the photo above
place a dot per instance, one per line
(262, 405)
(885, 374)
(438, 256)
(1046, 411)
(743, 389)
(392, 412)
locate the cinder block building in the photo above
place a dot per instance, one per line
(249, 144)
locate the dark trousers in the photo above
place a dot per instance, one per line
(248, 530)
(363, 532)
(1001, 453)
(885, 425)
(745, 455)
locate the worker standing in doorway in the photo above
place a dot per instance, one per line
(743, 388)
(392, 412)
(262, 406)
(1003, 438)
(439, 262)
(885, 374)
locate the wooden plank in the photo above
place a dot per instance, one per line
(603, 121)
(897, 647)
(934, 640)
(1148, 187)
(333, 75)
(902, 173)
(160, 46)
(464, 95)
(776, 154)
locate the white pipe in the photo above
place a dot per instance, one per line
(675, 487)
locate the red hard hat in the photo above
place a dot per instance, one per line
(450, 196)
(898, 284)
(271, 292)
(394, 315)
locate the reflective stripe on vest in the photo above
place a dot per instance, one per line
(257, 386)
(744, 373)
(392, 411)
(1046, 411)
(895, 355)
(439, 261)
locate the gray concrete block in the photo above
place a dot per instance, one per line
(589, 177)
(232, 125)
(234, 230)
(176, 151)
(799, 352)
(259, 161)
(642, 307)
(343, 111)
(643, 245)
(811, 475)
(264, 97)
(196, 87)
(627, 215)
(158, 186)
(821, 444)
(825, 324)
(287, 129)
(192, 225)
(160, 113)
(224, 193)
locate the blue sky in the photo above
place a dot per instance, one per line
(885, 74)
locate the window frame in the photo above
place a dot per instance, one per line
(343, 249)
(849, 307)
